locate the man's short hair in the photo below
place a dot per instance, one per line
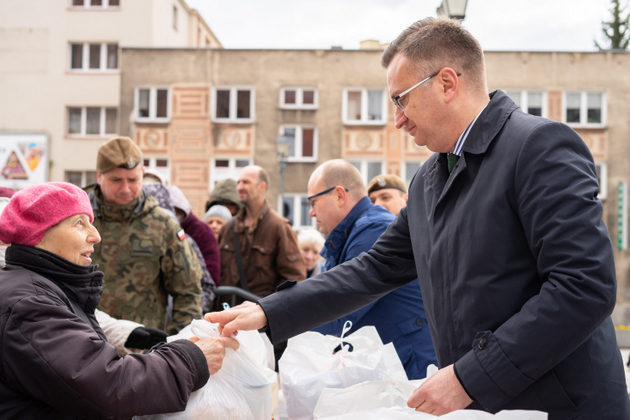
(434, 43)
(263, 176)
(343, 173)
(119, 152)
(380, 182)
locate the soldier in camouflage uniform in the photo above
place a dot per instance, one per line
(143, 253)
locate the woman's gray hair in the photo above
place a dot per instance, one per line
(310, 236)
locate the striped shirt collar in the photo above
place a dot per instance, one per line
(459, 144)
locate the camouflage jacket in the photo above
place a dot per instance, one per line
(144, 258)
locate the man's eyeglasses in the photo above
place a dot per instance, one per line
(396, 99)
(326, 191)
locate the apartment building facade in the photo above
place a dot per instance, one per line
(60, 68)
(74, 73)
(230, 108)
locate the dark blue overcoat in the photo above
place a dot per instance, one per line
(515, 266)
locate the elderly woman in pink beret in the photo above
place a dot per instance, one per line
(54, 360)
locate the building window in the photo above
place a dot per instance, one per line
(97, 4)
(585, 108)
(93, 57)
(224, 168)
(92, 121)
(369, 168)
(297, 208)
(298, 98)
(80, 178)
(152, 104)
(532, 102)
(233, 104)
(602, 178)
(159, 165)
(302, 141)
(410, 169)
(174, 17)
(364, 106)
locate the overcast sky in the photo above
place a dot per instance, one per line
(522, 25)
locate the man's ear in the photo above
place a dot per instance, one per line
(342, 195)
(450, 83)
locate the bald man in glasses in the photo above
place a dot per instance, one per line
(344, 213)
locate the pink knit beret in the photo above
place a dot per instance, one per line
(33, 210)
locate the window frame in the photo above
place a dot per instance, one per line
(153, 92)
(86, 176)
(296, 199)
(524, 100)
(299, 129)
(583, 123)
(299, 98)
(364, 106)
(363, 167)
(232, 171)
(404, 169)
(175, 18)
(84, 120)
(233, 106)
(87, 4)
(85, 57)
(152, 164)
(602, 175)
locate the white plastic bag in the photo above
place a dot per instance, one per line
(309, 365)
(376, 400)
(240, 390)
(369, 396)
(405, 413)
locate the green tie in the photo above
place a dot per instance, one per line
(451, 160)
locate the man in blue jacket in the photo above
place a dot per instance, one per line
(339, 203)
(504, 230)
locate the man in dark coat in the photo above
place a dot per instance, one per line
(504, 230)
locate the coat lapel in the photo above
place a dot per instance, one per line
(438, 182)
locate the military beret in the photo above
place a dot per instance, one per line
(380, 182)
(119, 152)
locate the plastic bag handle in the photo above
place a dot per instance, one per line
(347, 326)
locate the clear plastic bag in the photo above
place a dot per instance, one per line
(240, 390)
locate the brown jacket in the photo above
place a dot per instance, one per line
(269, 252)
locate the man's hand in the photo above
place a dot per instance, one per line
(246, 316)
(441, 393)
(214, 350)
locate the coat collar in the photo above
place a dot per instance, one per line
(116, 212)
(239, 219)
(490, 122)
(488, 125)
(339, 235)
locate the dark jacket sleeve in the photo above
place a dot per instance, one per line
(207, 243)
(55, 357)
(302, 306)
(555, 191)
